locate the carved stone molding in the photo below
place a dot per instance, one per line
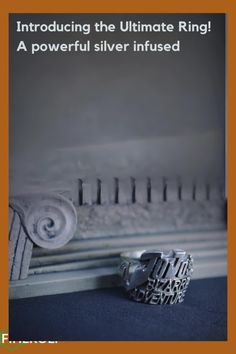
(47, 220)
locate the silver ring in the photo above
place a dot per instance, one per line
(156, 277)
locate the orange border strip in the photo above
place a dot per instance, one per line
(121, 6)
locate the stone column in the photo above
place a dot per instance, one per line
(46, 220)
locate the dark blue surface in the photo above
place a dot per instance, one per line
(107, 314)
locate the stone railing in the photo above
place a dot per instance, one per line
(103, 218)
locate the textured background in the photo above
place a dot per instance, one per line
(107, 314)
(76, 115)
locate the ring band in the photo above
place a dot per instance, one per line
(156, 277)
